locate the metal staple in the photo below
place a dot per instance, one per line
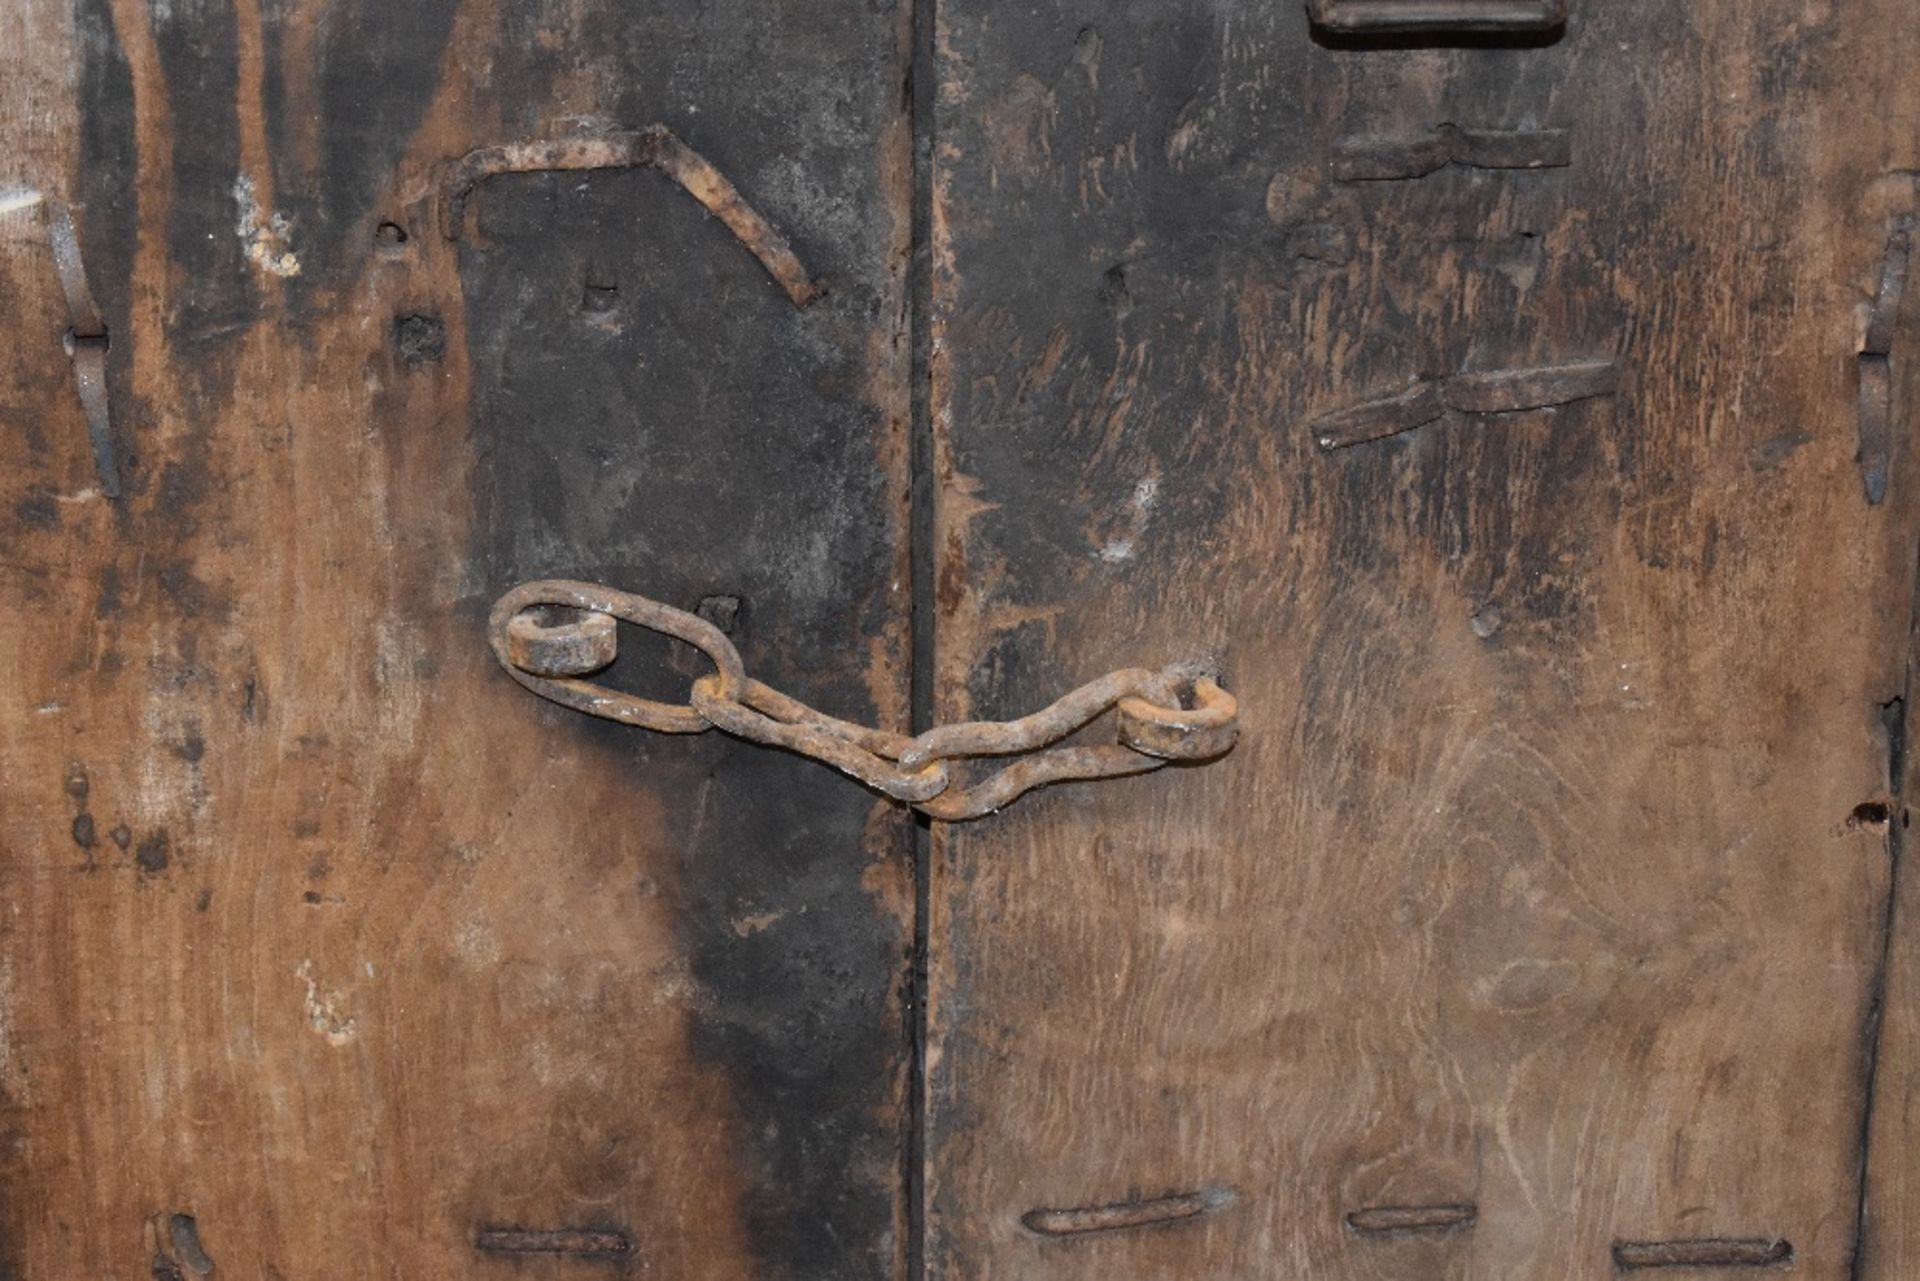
(86, 343)
(550, 634)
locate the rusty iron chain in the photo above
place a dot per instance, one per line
(550, 635)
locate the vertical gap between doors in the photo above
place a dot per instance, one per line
(922, 496)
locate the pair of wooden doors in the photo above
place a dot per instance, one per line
(1516, 417)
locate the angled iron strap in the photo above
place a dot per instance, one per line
(655, 147)
(551, 634)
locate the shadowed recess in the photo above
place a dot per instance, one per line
(1383, 1219)
(599, 1243)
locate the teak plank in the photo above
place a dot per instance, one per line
(1532, 927)
(326, 951)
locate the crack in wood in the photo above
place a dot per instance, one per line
(1892, 715)
(1398, 159)
(1502, 391)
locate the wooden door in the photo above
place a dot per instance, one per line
(326, 950)
(1510, 404)
(1507, 416)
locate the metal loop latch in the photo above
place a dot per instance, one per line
(548, 652)
(550, 635)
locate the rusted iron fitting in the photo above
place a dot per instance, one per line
(655, 147)
(551, 635)
(86, 344)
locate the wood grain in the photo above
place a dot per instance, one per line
(1536, 884)
(318, 933)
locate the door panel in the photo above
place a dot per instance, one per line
(1488, 410)
(327, 950)
(1511, 410)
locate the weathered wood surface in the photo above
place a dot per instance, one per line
(1535, 921)
(1538, 926)
(317, 930)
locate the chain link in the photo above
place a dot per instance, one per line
(550, 635)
